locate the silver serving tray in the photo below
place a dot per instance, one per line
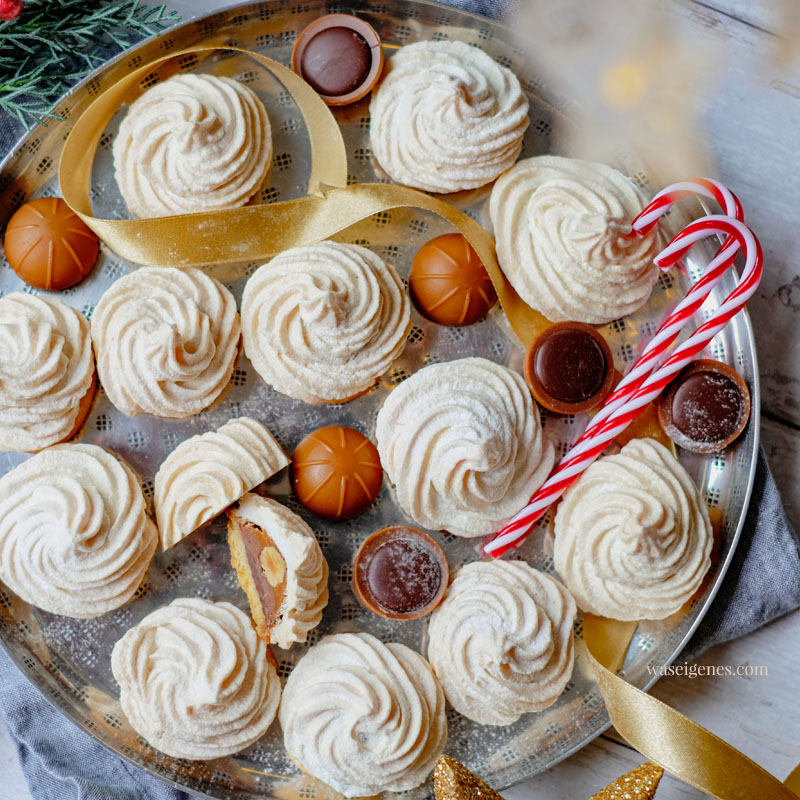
(69, 660)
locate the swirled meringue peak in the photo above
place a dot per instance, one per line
(75, 538)
(205, 474)
(562, 239)
(166, 341)
(501, 642)
(446, 117)
(632, 535)
(46, 370)
(195, 680)
(192, 143)
(323, 322)
(463, 444)
(363, 716)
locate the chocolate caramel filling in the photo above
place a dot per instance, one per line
(268, 570)
(571, 365)
(403, 575)
(336, 61)
(707, 407)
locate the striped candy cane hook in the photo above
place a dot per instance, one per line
(607, 424)
(666, 198)
(672, 326)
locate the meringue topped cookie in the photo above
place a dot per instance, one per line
(46, 371)
(323, 322)
(195, 680)
(280, 567)
(501, 642)
(632, 535)
(363, 716)
(75, 538)
(463, 444)
(562, 228)
(166, 341)
(446, 117)
(205, 474)
(192, 143)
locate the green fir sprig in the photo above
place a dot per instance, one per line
(55, 43)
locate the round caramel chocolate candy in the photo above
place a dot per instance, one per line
(49, 246)
(569, 368)
(336, 472)
(340, 56)
(448, 282)
(400, 573)
(706, 407)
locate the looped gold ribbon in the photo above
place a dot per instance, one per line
(256, 232)
(664, 735)
(328, 154)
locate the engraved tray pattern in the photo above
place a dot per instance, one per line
(69, 660)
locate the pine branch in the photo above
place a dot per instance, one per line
(56, 43)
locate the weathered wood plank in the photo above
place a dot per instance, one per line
(768, 16)
(782, 445)
(588, 771)
(751, 120)
(758, 715)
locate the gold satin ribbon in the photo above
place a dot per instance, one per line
(328, 155)
(660, 733)
(256, 232)
(793, 781)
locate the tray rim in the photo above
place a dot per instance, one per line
(755, 420)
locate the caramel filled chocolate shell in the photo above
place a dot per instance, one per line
(340, 56)
(448, 282)
(49, 246)
(280, 567)
(261, 570)
(400, 573)
(706, 407)
(336, 472)
(569, 368)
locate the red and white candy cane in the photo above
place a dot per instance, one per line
(672, 326)
(596, 438)
(666, 198)
(669, 330)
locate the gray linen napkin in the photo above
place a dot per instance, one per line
(62, 762)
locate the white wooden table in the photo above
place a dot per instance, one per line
(754, 125)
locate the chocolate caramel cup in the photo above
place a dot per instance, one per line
(340, 56)
(400, 573)
(706, 407)
(568, 368)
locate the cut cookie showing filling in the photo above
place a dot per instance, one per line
(280, 567)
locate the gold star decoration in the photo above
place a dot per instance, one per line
(638, 784)
(453, 781)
